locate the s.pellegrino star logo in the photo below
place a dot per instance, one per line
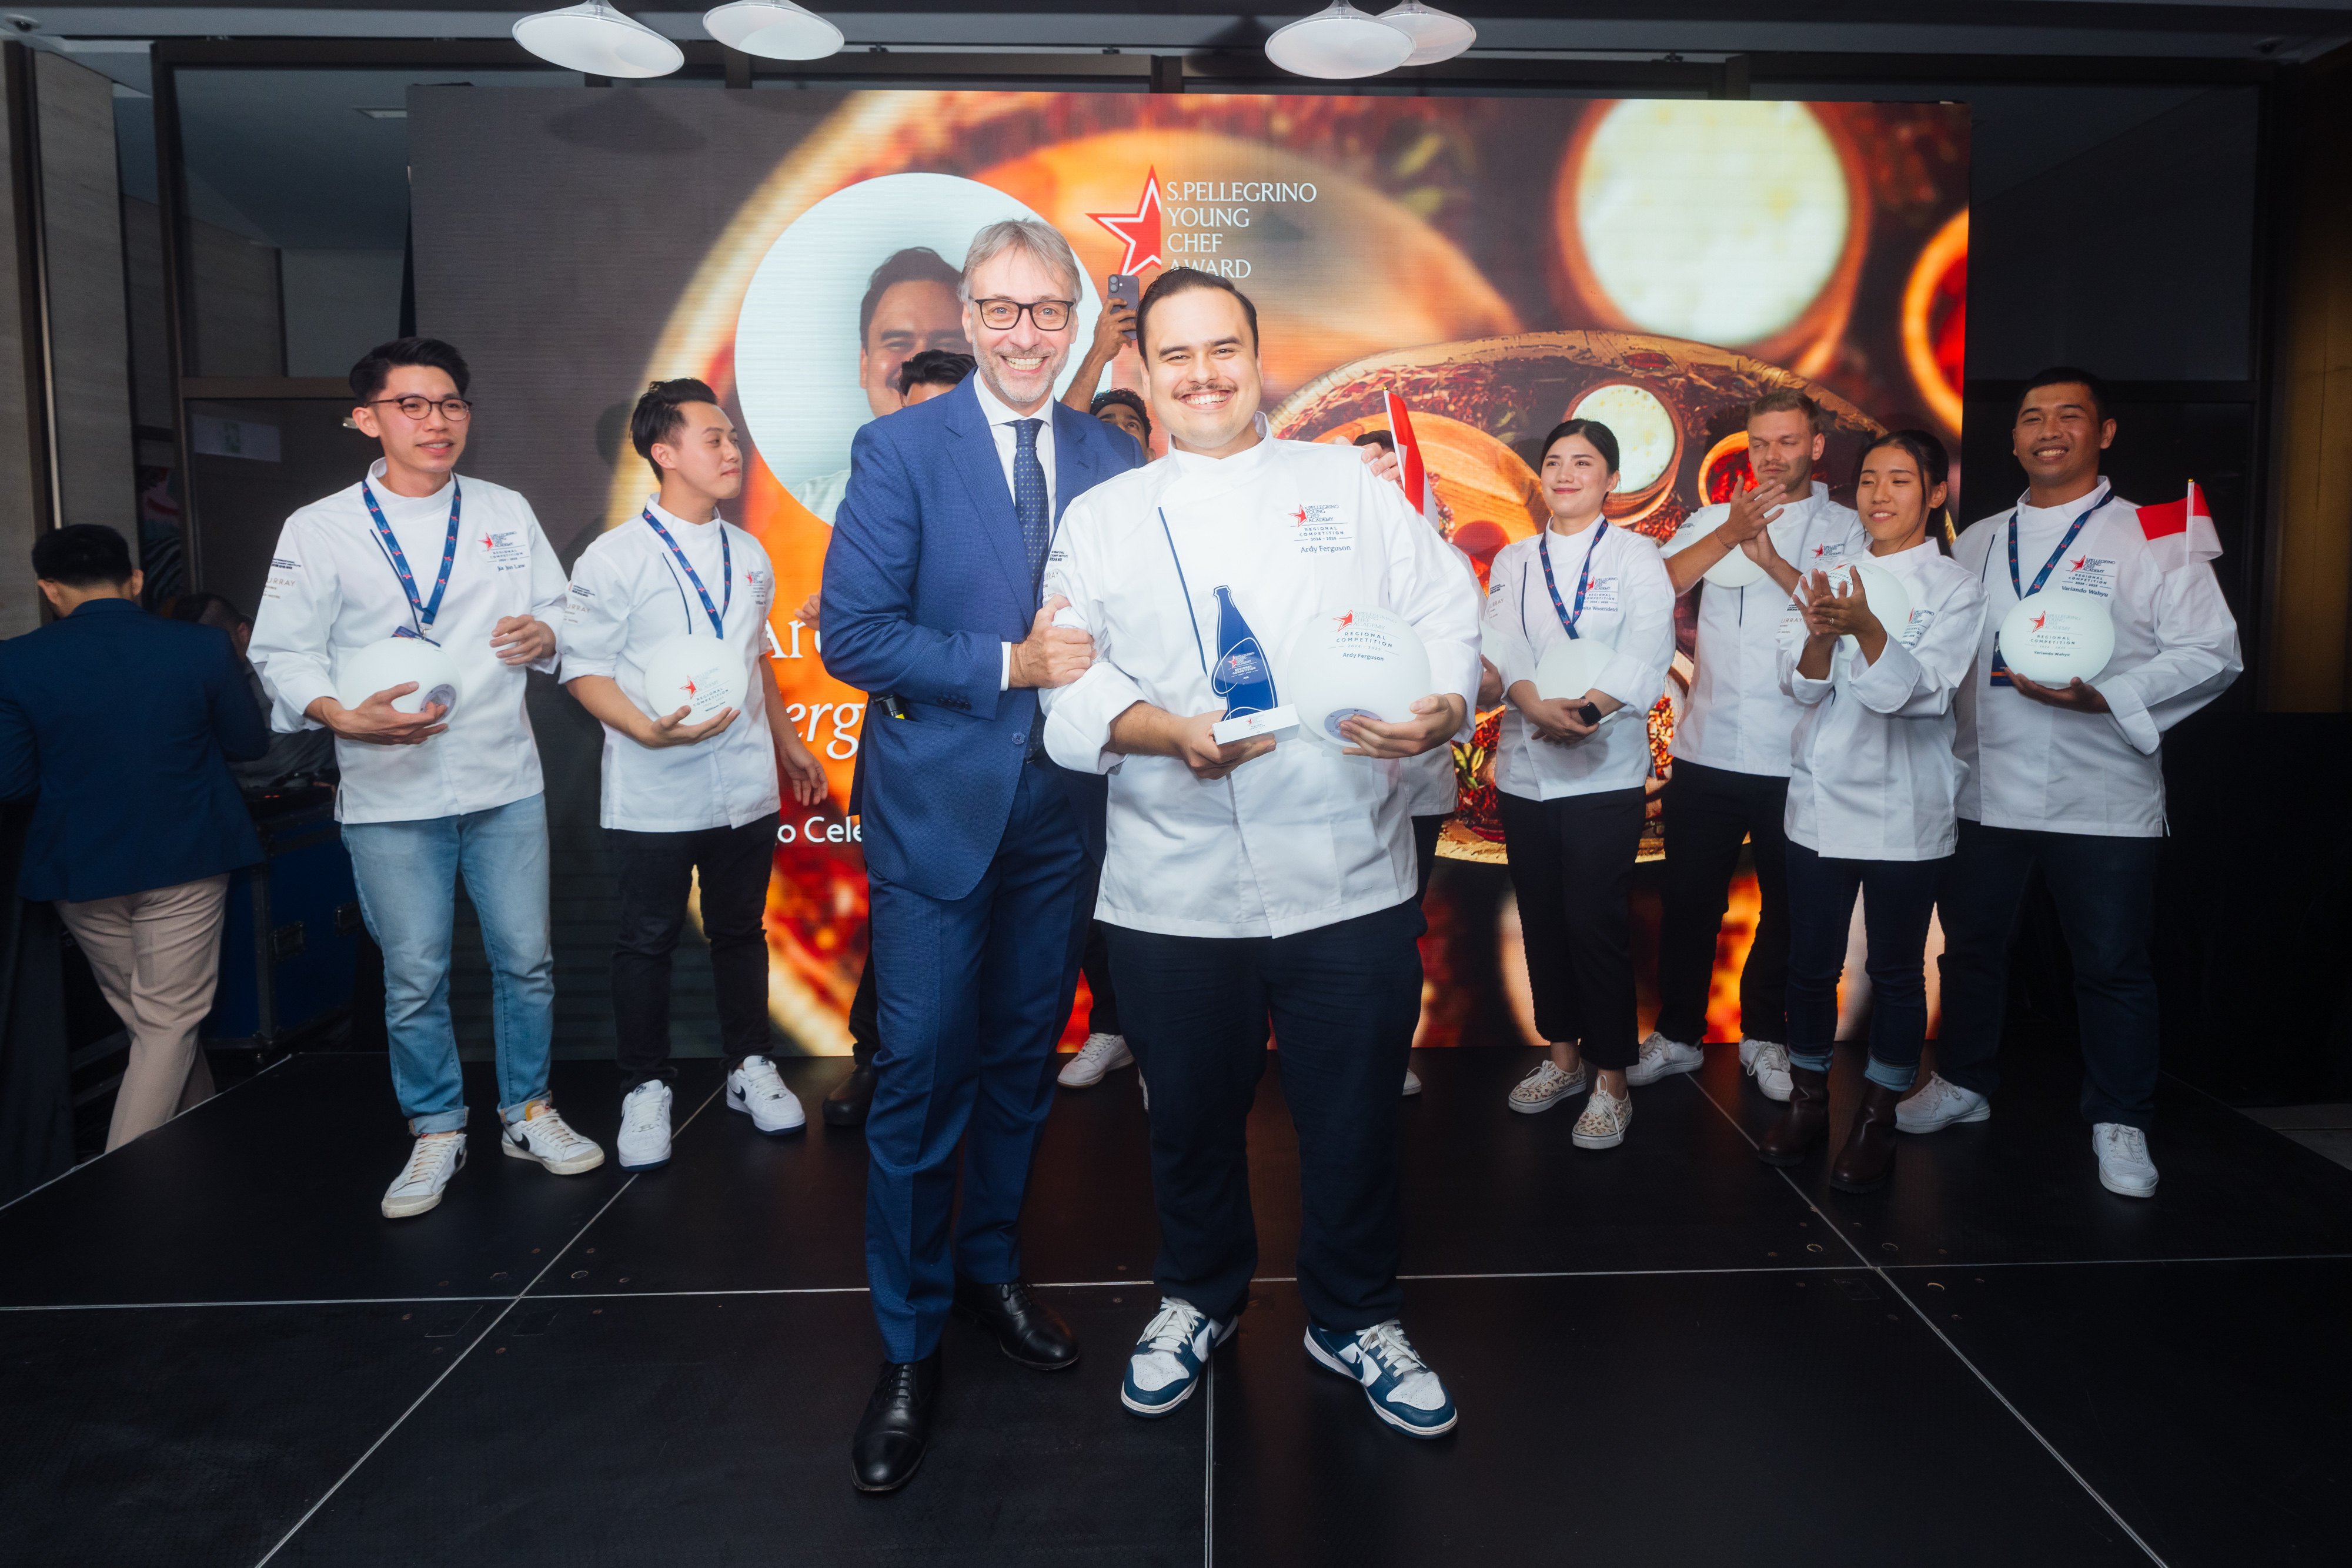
(1137, 230)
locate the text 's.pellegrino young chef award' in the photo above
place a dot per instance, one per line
(1244, 681)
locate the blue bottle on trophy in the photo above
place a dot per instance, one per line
(1241, 679)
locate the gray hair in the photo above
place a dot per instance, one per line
(1039, 241)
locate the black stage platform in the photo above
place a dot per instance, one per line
(212, 1351)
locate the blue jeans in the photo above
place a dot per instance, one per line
(407, 874)
(1898, 897)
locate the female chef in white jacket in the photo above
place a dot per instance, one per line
(1570, 772)
(1870, 798)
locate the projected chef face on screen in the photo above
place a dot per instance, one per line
(846, 295)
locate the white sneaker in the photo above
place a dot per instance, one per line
(2125, 1168)
(1101, 1053)
(1546, 1087)
(1747, 1049)
(1411, 1081)
(758, 1091)
(1662, 1058)
(1603, 1124)
(1938, 1104)
(1770, 1066)
(544, 1137)
(437, 1157)
(644, 1142)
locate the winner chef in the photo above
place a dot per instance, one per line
(1257, 880)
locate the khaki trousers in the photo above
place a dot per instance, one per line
(156, 955)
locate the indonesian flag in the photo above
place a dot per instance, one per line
(1410, 473)
(2180, 531)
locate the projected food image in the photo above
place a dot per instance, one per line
(1499, 265)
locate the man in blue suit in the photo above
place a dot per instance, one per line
(980, 852)
(124, 726)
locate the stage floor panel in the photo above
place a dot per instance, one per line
(1663, 1353)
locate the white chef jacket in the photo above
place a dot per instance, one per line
(1737, 717)
(1302, 837)
(2028, 765)
(627, 598)
(333, 590)
(1431, 787)
(1873, 774)
(1630, 606)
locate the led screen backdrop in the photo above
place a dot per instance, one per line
(1502, 263)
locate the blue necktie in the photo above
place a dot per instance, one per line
(1029, 498)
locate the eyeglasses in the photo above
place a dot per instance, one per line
(456, 410)
(1003, 315)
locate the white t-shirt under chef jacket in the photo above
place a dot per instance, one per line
(1739, 719)
(1872, 772)
(628, 596)
(333, 590)
(1302, 837)
(1629, 605)
(2029, 765)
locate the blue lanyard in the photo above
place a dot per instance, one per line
(1569, 619)
(717, 612)
(419, 613)
(2072, 529)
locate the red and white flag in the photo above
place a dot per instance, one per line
(1411, 474)
(2180, 531)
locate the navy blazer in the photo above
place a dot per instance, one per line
(124, 723)
(926, 578)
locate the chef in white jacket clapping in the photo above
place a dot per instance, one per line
(1266, 880)
(1871, 793)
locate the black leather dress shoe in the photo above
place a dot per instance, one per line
(897, 1426)
(851, 1098)
(1027, 1330)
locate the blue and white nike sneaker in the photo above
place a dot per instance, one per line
(1170, 1357)
(1399, 1386)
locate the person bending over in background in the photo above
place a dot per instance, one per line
(686, 804)
(124, 727)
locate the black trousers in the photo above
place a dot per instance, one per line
(1708, 812)
(2104, 889)
(1571, 864)
(657, 871)
(1343, 1001)
(1898, 899)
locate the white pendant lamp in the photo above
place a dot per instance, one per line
(1436, 34)
(772, 29)
(1339, 43)
(596, 40)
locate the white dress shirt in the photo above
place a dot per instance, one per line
(1004, 425)
(2029, 765)
(333, 590)
(627, 598)
(822, 495)
(1302, 837)
(1873, 774)
(1629, 605)
(1737, 717)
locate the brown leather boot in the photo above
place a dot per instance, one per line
(1805, 1123)
(1869, 1153)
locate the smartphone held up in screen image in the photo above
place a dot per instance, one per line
(1127, 287)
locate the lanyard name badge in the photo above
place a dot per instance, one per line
(1999, 675)
(717, 612)
(420, 612)
(1567, 618)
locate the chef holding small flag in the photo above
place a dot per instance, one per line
(2069, 777)
(1263, 880)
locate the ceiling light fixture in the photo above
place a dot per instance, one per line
(596, 40)
(772, 29)
(1339, 43)
(1436, 34)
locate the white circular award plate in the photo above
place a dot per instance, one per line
(2053, 638)
(375, 667)
(1734, 570)
(1356, 664)
(702, 675)
(1890, 600)
(1568, 672)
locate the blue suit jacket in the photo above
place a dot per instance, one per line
(123, 722)
(926, 578)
